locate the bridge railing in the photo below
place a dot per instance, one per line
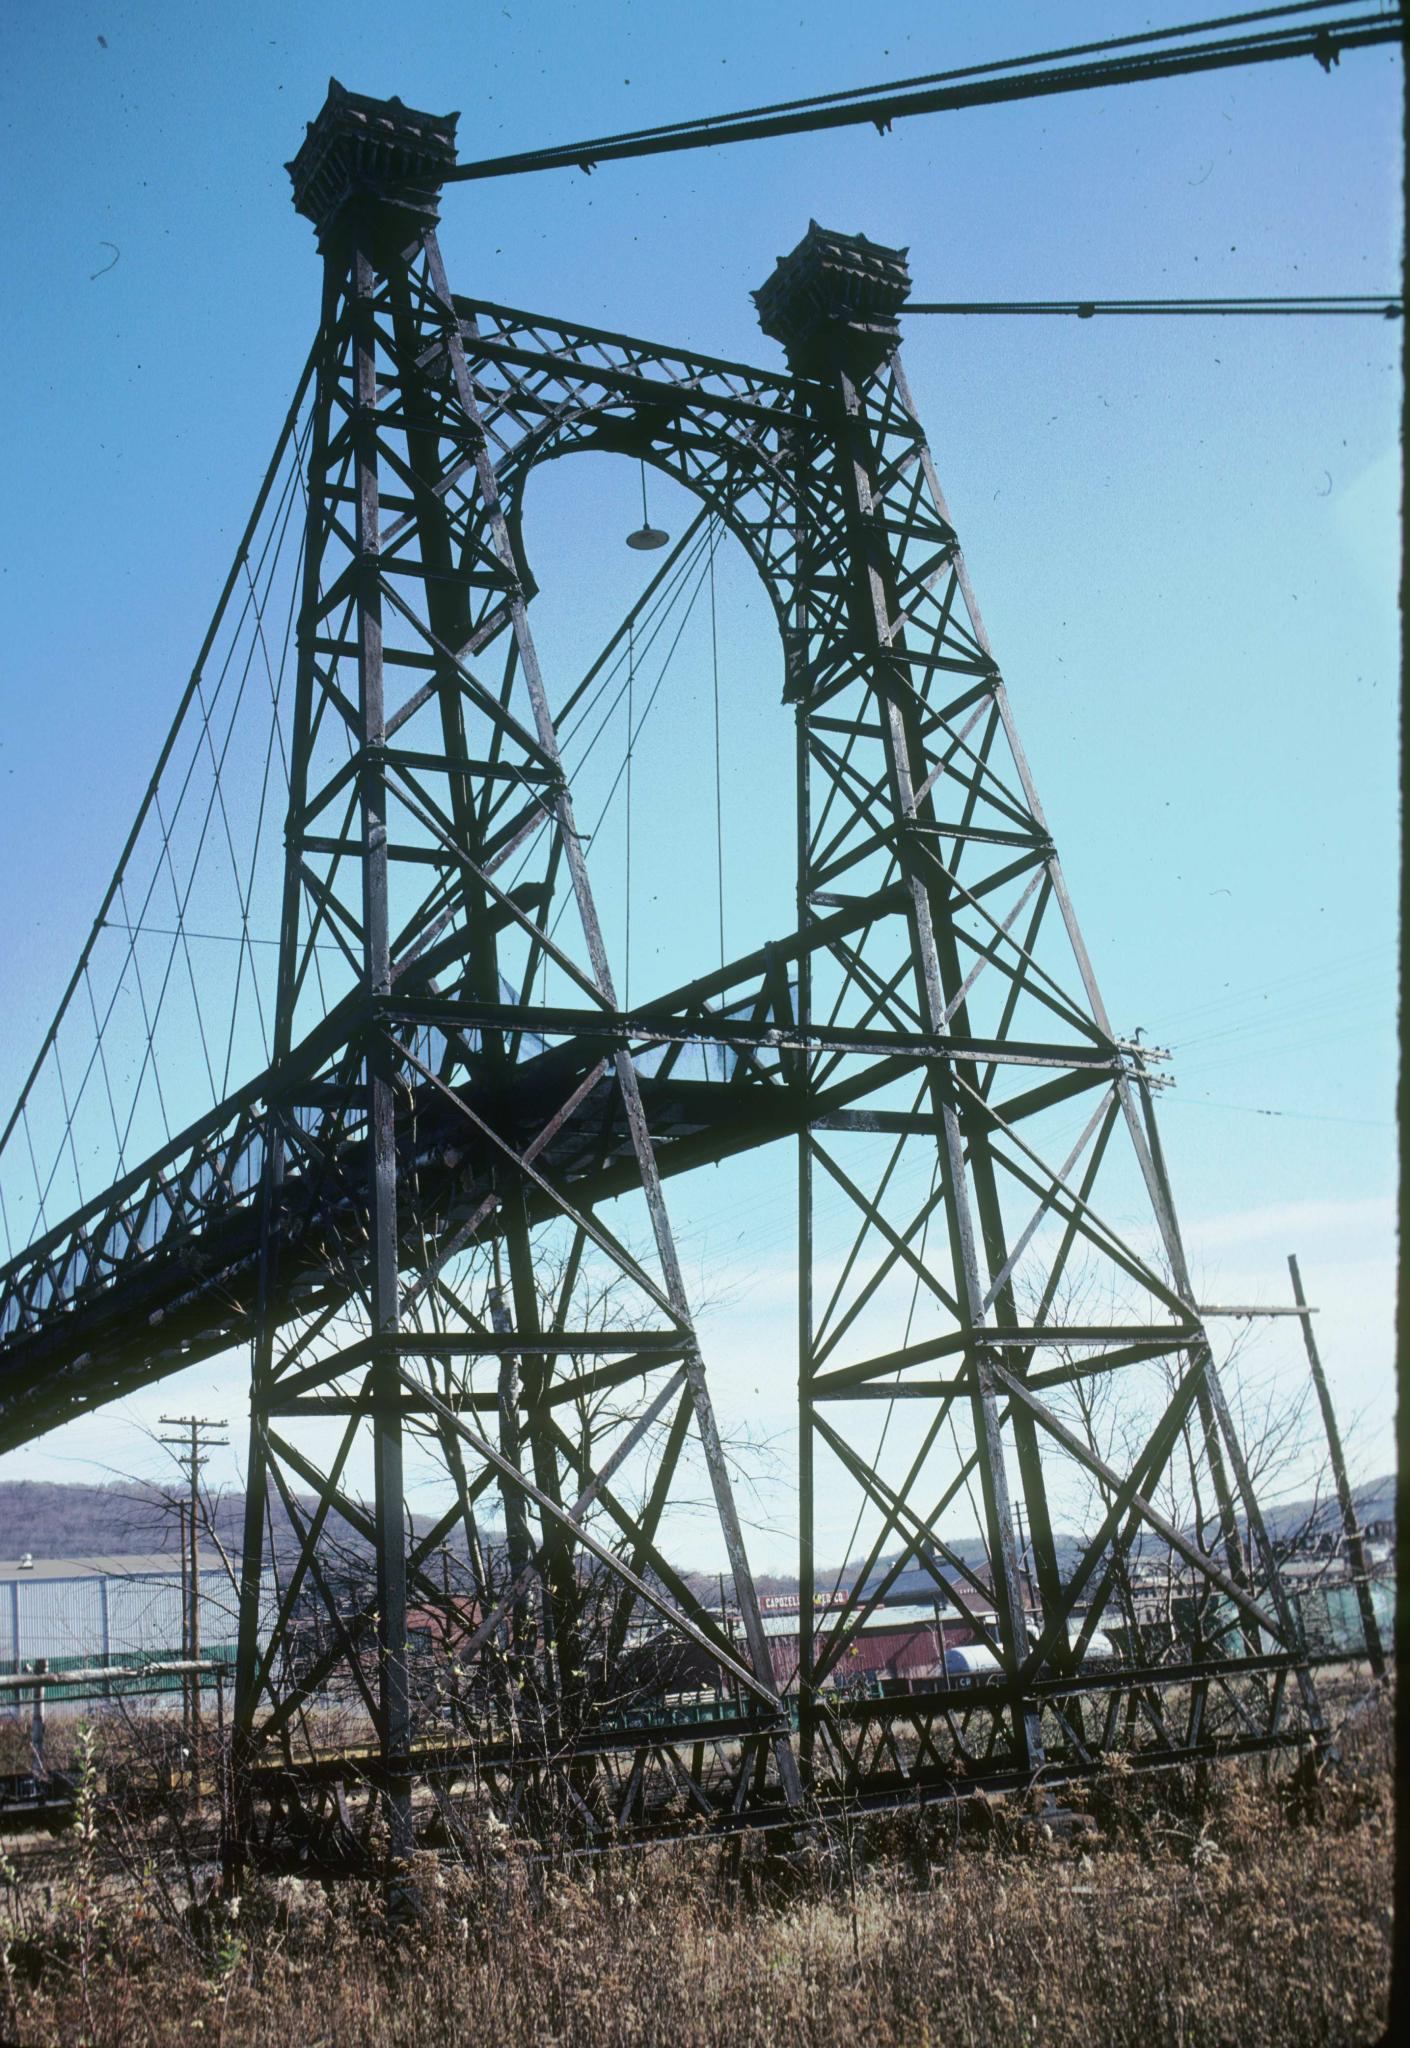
(214, 1167)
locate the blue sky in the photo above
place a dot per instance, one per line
(1183, 534)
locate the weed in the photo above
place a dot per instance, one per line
(1214, 1908)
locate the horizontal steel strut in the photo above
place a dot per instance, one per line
(438, 1218)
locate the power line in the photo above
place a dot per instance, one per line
(1304, 1116)
(1380, 954)
(1120, 60)
(1385, 306)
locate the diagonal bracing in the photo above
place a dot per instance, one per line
(437, 1216)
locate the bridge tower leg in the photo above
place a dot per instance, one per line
(410, 565)
(834, 304)
(914, 795)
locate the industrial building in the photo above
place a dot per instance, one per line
(77, 1612)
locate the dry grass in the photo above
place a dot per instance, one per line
(1240, 1910)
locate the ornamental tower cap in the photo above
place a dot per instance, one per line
(360, 152)
(835, 297)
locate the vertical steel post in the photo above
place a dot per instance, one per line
(222, 1756)
(106, 1624)
(1214, 1403)
(1351, 1527)
(38, 1760)
(807, 1563)
(843, 359)
(746, 1593)
(249, 1649)
(394, 1733)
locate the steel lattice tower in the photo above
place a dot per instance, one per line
(410, 1215)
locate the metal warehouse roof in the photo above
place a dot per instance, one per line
(882, 1620)
(142, 1565)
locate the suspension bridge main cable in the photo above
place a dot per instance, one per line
(188, 696)
(1230, 40)
(138, 924)
(1379, 306)
(134, 925)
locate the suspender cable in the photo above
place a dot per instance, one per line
(187, 697)
(631, 741)
(719, 795)
(678, 591)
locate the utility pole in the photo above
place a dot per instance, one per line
(1355, 1549)
(1025, 1554)
(184, 1550)
(190, 1450)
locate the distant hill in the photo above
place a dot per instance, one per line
(1375, 1502)
(72, 1519)
(53, 1518)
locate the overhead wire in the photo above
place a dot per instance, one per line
(1306, 1116)
(656, 614)
(1275, 1004)
(1360, 957)
(170, 931)
(103, 1063)
(1376, 305)
(68, 1124)
(1254, 1023)
(1115, 60)
(650, 604)
(180, 901)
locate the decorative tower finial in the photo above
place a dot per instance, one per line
(835, 295)
(361, 151)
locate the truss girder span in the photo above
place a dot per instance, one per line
(438, 1218)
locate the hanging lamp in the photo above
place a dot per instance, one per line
(646, 536)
